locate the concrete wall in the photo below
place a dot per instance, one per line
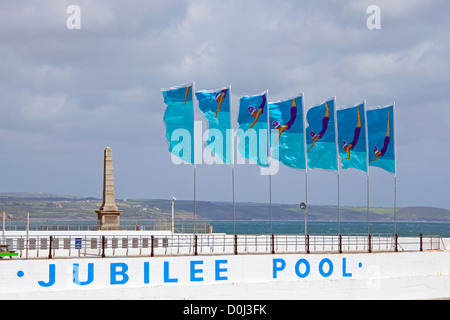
(406, 275)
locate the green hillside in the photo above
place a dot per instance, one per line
(56, 207)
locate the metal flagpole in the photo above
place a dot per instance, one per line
(3, 233)
(306, 166)
(269, 153)
(395, 169)
(270, 199)
(195, 178)
(232, 158)
(306, 199)
(395, 204)
(195, 165)
(367, 163)
(339, 205)
(368, 210)
(27, 237)
(234, 212)
(337, 163)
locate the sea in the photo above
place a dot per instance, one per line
(402, 229)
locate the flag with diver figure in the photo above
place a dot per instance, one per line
(321, 136)
(380, 125)
(179, 121)
(253, 128)
(215, 105)
(286, 117)
(351, 124)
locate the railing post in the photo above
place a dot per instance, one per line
(235, 244)
(396, 243)
(421, 243)
(50, 248)
(273, 244)
(340, 243)
(103, 246)
(152, 245)
(195, 245)
(307, 244)
(370, 243)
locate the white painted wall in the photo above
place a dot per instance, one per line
(407, 275)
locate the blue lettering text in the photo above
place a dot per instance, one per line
(219, 270)
(297, 268)
(344, 268)
(51, 277)
(76, 274)
(278, 265)
(122, 273)
(146, 272)
(194, 271)
(166, 273)
(330, 268)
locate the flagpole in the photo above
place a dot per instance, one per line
(306, 202)
(234, 212)
(270, 199)
(337, 164)
(195, 165)
(27, 233)
(195, 178)
(306, 166)
(368, 210)
(232, 159)
(367, 162)
(269, 153)
(395, 169)
(395, 204)
(3, 233)
(339, 205)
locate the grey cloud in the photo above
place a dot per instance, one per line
(67, 94)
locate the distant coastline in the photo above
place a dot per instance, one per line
(43, 206)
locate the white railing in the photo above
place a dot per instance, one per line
(64, 245)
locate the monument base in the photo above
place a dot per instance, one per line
(109, 220)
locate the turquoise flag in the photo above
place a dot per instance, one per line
(380, 126)
(215, 105)
(351, 124)
(179, 121)
(321, 136)
(287, 118)
(253, 129)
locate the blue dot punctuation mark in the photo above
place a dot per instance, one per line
(20, 274)
(360, 265)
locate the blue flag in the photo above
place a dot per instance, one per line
(352, 137)
(215, 105)
(253, 129)
(321, 136)
(380, 126)
(179, 121)
(287, 118)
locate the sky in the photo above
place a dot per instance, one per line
(67, 94)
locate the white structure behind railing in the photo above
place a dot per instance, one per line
(40, 244)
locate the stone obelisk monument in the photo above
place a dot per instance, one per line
(108, 214)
